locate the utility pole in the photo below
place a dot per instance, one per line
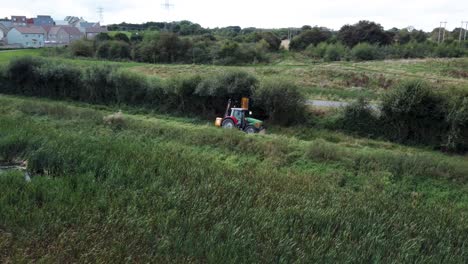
(100, 12)
(167, 5)
(463, 23)
(443, 34)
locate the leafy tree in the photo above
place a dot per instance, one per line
(365, 51)
(308, 37)
(363, 31)
(122, 37)
(413, 113)
(82, 48)
(273, 41)
(102, 37)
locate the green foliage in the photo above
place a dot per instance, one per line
(365, 51)
(282, 101)
(457, 118)
(273, 41)
(184, 192)
(309, 37)
(317, 51)
(113, 50)
(102, 37)
(335, 52)
(81, 48)
(358, 117)
(363, 31)
(121, 37)
(163, 48)
(414, 113)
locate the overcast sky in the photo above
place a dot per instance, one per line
(422, 14)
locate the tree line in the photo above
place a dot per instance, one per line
(185, 42)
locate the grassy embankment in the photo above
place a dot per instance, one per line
(332, 81)
(149, 188)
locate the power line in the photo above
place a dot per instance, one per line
(167, 5)
(100, 12)
(442, 28)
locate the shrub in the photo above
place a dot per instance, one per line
(308, 37)
(98, 85)
(365, 51)
(457, 118)
(317, 51)
(359, 117)
(413, 113)
(130, 88)
(122, 37)
(281, 101)
(273, 41)
(23, 74)
(59, 81)
(113, 50)
(82, 48)
(219, 88)
(334, 52)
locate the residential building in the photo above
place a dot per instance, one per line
(43, 21)
(18, 21)
(93, 31)
(6, 23)
(63, 35)
(29, 21)
(26, 36)
(3, 31)
(61, 23)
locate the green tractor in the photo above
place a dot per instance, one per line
(237, 117)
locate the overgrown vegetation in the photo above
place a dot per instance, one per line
(186, 42)
(413, 114)
(162, 189)
(193, 95)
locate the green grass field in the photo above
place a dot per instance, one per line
(154, 188)
(148, 187)
(341, 81)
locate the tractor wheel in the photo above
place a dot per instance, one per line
(250, 130)
(227, 123)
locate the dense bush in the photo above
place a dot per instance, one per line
(413, 113)
(365, 51)
(359, 117)
(113, 50)
(81, 48)
(335, 52)
(363, 31)
(457, 118)
(219, 88)
(308, 37)
(282, 101)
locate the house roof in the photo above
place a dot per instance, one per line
(46, 28)
(6, 24)
(54, 30)
(72, 30)
(61, 23)
(30, 30)
(96, 30)
(18, 18)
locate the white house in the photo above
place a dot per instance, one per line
(26, 37)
